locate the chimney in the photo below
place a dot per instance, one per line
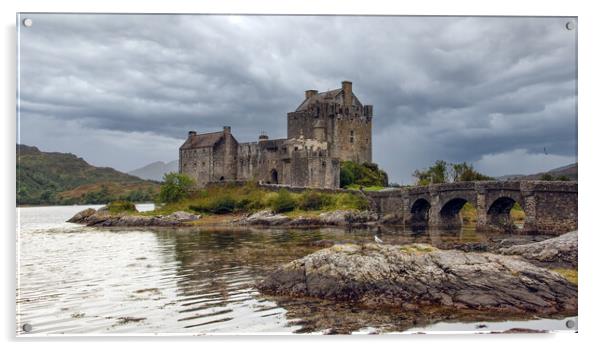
(226, 129)
(347, 93)
(310, 93)
(263, 136)
(191, 133)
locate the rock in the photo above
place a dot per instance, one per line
(91, 217)
(561, 249)
(347, 217)
(412, 276)
(182, 216)
(265, 218)
(82, 216)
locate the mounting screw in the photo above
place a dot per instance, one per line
(570, 25)
(28, 22)
(27, 327)
(570, 324)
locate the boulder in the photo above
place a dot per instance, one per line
(265, 218)
(412, 276)
(182, 216)
(347, 217)
(82, 216)
(561, 249)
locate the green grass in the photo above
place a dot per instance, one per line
(248, 198)
(365, 188)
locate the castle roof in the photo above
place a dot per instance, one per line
(202, 140)
(335, 95)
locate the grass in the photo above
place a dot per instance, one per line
(248, 198)
(569, 274)
(365, 188)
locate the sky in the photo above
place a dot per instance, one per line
(124, 90)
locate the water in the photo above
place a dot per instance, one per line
(74, 279)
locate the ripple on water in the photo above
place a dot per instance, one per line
(74, 279)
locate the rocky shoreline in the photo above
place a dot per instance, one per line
(409, 277)
(102, 217)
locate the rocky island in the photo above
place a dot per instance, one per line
(409, 277)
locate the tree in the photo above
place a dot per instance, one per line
(366, 174)
(442, 172)
(437, 173)
(466, 172)
(175, 187)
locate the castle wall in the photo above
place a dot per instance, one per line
(197, 164)
(340, 124)
(352, 138)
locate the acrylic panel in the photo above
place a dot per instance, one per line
(190, 174)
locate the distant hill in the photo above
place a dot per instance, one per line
(154, 171)
(64, 178)
(568, 171)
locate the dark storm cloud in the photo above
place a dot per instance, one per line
(443, 88)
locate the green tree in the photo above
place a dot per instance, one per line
(442, 172)
(366, 174)
(546, 177)
(175, 187)
(466, 172)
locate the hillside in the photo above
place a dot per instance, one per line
(64, 178)
(568, 171)
(154, 171)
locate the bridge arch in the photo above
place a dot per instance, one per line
(420, 212)
(449, 215)
(498, 213)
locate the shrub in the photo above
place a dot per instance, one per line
(121, 206)
(283, 202)
(222, 205)
(314, 200)
(218, 205)
(366, 174)
(352, 201)
(175, 187)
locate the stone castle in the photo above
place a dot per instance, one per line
(328, 127)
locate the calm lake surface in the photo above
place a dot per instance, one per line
(73, 279)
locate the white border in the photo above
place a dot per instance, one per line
(589, 158)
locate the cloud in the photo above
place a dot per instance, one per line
(453, 88)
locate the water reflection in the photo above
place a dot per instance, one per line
(74, 279)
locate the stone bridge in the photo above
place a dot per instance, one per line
(550, 206)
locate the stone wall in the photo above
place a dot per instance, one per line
(196, 163)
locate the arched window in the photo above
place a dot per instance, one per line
(351, 136)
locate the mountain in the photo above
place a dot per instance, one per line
(565, 172)
(64, 178)
(154, 171)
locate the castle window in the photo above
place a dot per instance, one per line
(202, 164)
(351, 136)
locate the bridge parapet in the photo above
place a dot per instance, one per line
(550, 206)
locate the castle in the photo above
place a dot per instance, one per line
(328, 127)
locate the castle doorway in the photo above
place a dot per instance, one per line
(274, 176)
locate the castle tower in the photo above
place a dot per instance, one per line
(338, 117)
